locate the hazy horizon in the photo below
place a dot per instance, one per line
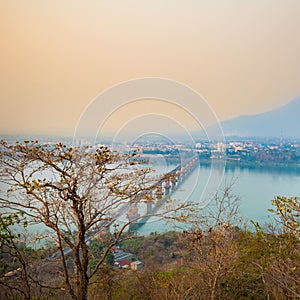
(243, 57)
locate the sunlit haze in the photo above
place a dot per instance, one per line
(243, 57)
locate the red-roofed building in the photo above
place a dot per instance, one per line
(115, 249)
(124, 263)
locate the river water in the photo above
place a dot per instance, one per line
(256, 186)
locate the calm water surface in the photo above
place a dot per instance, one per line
(256, 186)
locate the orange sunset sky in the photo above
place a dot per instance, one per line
(56, 56)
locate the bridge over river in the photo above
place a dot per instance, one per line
(156, 196)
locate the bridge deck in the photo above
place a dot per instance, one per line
(181, 176)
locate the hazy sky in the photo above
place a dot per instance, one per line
(56, 56)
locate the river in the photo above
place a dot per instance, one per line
(255, 186)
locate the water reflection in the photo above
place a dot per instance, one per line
(256, 186)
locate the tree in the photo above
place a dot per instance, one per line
(212, 248)
(12, 257)
(75, 193)
(288, 211)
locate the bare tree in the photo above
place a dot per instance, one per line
(75, 193)
(212, 246)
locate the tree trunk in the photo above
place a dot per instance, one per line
(81, 282)
(83, 288)
(81, 260)
(213, 288)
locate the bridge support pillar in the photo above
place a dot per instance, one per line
(173, 182)
(159, 192)
(149, 208)
(133, 212)
(167, 186)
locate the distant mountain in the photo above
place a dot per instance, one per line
(283, 121)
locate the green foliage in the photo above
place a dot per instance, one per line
(155, 248)
(133, 245)
(219, 261)
(288, 210)
(83, 189)
(260, 265)
(110, 259)
(5, 223)
(7, 238)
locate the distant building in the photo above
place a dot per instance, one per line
(238, 148)
(115, 249)
(136, 265)
(221, 147)
(124, 263)
(180, 261)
